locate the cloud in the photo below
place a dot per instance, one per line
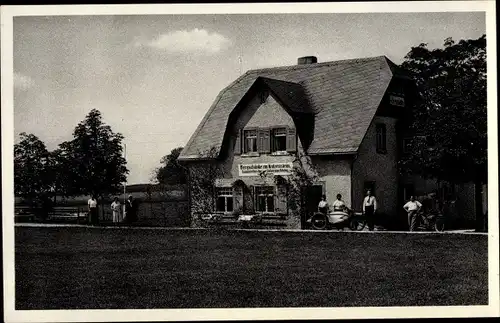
(22, 82)
(184, 41)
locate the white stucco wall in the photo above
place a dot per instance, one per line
(335, 173)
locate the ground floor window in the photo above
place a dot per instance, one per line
(224, 199)
(264, 199)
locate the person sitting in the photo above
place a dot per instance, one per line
(323, 205)
(339, 205)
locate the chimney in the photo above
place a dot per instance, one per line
(307, 60)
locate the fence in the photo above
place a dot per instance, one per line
(155, 213)
(167, 209)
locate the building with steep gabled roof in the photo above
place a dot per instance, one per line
(341, 118)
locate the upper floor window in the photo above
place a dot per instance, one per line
(278, 139)
(264, 196)
(224, 199)
(381, 138)
(250, 141)
(275, 140)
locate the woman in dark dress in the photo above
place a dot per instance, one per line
(130, 210)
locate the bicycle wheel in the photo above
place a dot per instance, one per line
(439, 225)
(357, 224)
(319, 221)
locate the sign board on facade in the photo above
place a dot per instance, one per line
(282, 169)
(396, 100)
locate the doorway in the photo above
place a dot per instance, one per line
(312, 197)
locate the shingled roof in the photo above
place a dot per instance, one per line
(343, 96)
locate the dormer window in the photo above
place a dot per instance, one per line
(250, 141)
(278, 140)
(281, 140)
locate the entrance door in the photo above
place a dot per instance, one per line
(312, 197)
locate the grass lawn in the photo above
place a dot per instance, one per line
(92, 268)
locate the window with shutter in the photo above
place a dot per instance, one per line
(279, 140)
(291, 143)
(264, 199)
(224, 201)
(250, 141)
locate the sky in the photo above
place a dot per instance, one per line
(153, 77)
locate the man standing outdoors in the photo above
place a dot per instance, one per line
(116, 208)
(93, 215)
(412, 207)
(369, 209)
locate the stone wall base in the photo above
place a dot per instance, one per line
(290, 222)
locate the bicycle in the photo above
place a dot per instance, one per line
(432, 221)
(338, 220)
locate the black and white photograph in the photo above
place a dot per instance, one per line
(249, 161)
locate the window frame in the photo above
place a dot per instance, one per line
(381, 138)
(273, 135)
(267, 195)
(228, 194)
(256, 139)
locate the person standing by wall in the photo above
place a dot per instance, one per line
(93, 214)
(412, 208)
(369, 209)
(323, 206)
(116, 209)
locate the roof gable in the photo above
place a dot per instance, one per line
(271, 107)
(342, 95)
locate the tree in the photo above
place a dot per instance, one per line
(450, 115)
(301, 179)
(171, 172)
(202, 181)
(31, 178)
(58, 168)
(94, 158)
